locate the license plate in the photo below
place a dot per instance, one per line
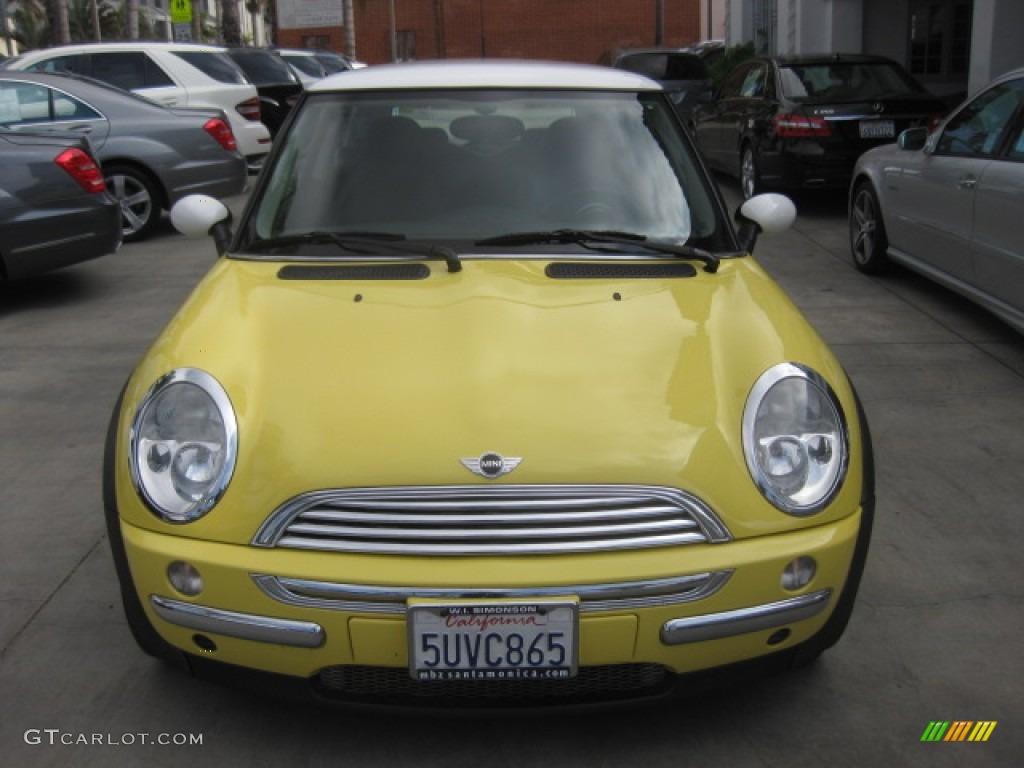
(493, 640)
(877, 129)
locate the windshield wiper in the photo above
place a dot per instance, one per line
(360, 242)
(590, 238)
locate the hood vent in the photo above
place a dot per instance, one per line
(567, 270)
(354, 272)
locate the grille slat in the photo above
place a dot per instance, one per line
(472, 501)
(506, 519)
(524, 548)
(549, 516)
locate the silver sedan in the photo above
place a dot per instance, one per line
(950, 205)
(152, 156)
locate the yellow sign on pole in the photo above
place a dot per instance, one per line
(181, 11)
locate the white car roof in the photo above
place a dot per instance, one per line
(136, 45)
(485, 74)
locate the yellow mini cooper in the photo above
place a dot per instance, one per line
(485, 402)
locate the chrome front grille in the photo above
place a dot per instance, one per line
(490, 520)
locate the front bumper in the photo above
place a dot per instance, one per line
(286, 612)
(308, 634)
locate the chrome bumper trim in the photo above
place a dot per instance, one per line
(713, 626)
(245, 626)
(360, 598)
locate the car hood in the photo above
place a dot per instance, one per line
(348, 383)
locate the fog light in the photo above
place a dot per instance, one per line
(798, 573)
(185, 578)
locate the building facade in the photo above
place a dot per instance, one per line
(954, 47)
(566, 30)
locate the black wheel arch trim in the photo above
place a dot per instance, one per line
(145, 635)
(836, 624)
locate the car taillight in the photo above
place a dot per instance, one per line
(800, 126)
(249, 109)
(221, 131)
(82, 169)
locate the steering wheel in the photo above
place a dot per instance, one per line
(597, 202)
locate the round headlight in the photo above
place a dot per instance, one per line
(183, 444)
(795, 439)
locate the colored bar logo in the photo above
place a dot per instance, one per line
(958, 730)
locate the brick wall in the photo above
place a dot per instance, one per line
(567, 30)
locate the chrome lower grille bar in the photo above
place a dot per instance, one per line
(359, 598)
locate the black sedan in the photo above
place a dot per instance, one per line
(682, 73)
(801, 122)
(278, 86)
(54, 206)
(152, 156)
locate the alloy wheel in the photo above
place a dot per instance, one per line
(863, 225)
(135, 199)
(869, 243)
(748, 174)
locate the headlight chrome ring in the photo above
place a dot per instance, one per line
(795, 439)
(183, 445)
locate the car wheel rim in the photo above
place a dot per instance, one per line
(747, 174)
(863, 225)
(134, 199)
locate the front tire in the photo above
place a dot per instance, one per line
(139, 198)
(868, 240)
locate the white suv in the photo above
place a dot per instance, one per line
(172, 74)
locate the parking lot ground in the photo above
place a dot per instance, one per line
(936, 634)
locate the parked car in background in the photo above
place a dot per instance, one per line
(171, 74)
(278, 85)
(709, 51)
(152, 156)
(801, 122)
(304, 63)
(334, 62)
(313, 64)
(55, 210)
(565, 441)
(681, 72)
(950, 205)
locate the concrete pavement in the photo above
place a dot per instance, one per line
(936, 634)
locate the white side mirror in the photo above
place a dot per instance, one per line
(771, 212)
(196, 215)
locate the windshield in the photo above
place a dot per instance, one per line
(305, 64)
(263, 67)
(458, 167)
(846, 81)
(333, 63)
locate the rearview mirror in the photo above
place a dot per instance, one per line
(200, 215)
(913, 139)
(769, 213)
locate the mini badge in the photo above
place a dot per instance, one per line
(491, 465)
